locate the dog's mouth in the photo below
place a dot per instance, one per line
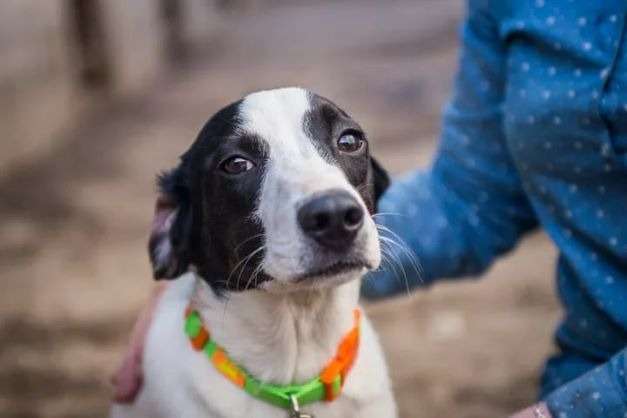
(334, 269)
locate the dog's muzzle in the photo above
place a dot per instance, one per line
(332, 219)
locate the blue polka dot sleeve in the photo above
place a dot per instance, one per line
(470, 206)
(535, 134)
(600, 393)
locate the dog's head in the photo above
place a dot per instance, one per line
(277, 193)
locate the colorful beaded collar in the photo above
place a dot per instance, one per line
(327, 386)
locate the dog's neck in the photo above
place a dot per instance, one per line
(279, 338)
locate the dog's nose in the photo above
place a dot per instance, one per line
(332, 219)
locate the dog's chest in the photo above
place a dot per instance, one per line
(181, 382)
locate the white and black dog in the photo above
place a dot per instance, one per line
(266, 224)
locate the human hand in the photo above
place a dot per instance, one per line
(536, 411)
(127, 380)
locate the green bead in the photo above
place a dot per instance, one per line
(193, 325)
(279, 396)
(210, 348)
(336, 385)
(311, 392)
(269, 393)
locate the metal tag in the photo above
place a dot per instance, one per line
(295, 410)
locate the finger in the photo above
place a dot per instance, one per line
(127, 387)
(127, 381)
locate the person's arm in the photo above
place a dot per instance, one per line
(127, 380)
(470, 206)
(600, 393)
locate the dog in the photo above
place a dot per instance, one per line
(266, 225)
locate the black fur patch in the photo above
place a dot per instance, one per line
(324, 124)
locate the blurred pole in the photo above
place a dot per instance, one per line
(87, 30)
(172, 13)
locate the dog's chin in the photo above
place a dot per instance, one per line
(331, 271)
(331, 275)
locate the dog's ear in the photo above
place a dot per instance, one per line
(169, 243)
(380, 178)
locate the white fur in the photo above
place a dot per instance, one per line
(278, 336)
(164, 248)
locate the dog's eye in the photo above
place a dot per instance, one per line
(350, 142)
(237, 165)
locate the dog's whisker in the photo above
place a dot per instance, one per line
(247, 240)
(386, 258)
(398, 262)
(242, 261)
(400, 243)
(252, 276)
(393, 265)
(374, 215)
(407, 253)
(402, 279)
(248, 258)
(226, 302)
(388, 265)
(255, 276)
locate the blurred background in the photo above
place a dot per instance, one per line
(98, 96)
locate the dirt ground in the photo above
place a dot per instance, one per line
(73, 266)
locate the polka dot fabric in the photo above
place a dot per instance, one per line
(535, 135)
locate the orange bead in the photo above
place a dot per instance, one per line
(348, 345)
(329, 372)
(233, 374)
(199, 341)
(332, 390)
(219, 356)
(328, 393)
